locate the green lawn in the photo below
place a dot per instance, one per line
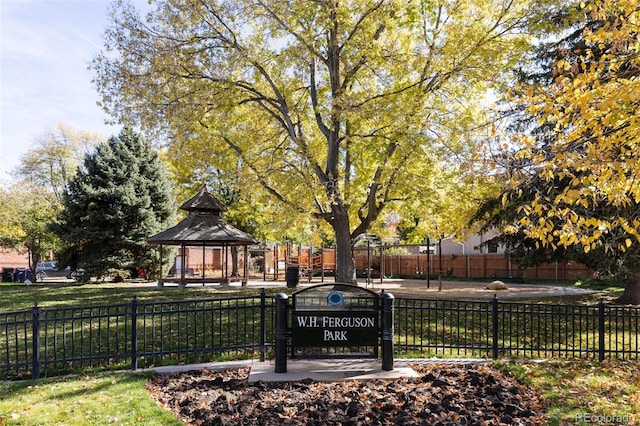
(98, 399)
(18, 296)
(581, 392)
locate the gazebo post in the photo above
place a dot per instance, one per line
(183, 265)
(246, 266)
(160, 281)
(310, 263)
(264, 262)
(322, 263)
(204, 247)
(276, 260)
(225, 277)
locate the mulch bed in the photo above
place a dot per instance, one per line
(443, 395)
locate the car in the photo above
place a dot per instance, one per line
(49, 269)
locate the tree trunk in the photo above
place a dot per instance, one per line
(234, 261)
(631, 294)
(345, 260)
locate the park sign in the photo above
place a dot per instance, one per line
(332, 315)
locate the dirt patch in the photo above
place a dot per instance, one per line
(463, 290)
(442, 395)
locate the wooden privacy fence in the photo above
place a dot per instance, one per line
(52, 341)
(487, 266)
(316, 263)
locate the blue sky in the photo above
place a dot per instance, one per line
(46, 46)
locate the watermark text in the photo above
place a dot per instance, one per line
(596, 418)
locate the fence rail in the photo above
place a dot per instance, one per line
(46, 342)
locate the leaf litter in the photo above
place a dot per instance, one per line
(442, 395)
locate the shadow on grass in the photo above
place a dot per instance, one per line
(17, 297)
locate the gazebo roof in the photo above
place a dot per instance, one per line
(203, 225)
(207, 229)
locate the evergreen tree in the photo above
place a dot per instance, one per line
(119, 197)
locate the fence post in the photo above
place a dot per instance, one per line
(134, 333)
(494, 326)
(601, 331)
(282, 306)
(35, 342)
(263, 326)
(387, 331)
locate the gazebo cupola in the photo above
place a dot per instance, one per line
(203, 203)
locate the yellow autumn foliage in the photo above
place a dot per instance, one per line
(594, 108)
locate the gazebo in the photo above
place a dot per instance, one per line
(203, 228)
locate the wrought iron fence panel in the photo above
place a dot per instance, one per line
(190, 331)
(443, 327)
(16, 344)
(620, 333)
(538, 330)
(80, 337)
(54, 341)
(516, 329)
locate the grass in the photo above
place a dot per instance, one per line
(15, 296)
(18, 296)
(581, 392)
(98, 399)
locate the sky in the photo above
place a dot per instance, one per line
(46, 47)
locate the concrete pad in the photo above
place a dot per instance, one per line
(177, 369)
(327, 370)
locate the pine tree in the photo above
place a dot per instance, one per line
(119, 197)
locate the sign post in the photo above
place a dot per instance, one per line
(387, 331)
(282, 313)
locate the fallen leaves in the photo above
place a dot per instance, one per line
(443, 395)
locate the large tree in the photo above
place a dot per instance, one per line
(25, 214)
(31, 203)
(54, 158)
(560, 33)
(337, 110)
(119, 197)
(593, 145)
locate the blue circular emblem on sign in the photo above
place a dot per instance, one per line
(335, 298)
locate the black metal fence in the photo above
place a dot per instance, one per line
(46, 342)
(494, 329)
